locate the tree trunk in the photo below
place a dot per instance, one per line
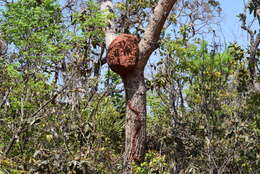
(135, 128)
(135, 118)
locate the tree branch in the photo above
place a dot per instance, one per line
(152, 34)
(5, 98)
(254, 43)
(26, 124)
(107, 7)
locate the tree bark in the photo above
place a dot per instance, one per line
(134, 84)
(149, 42)
(135, 128)
(110, 33)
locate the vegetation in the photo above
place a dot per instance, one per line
(62, 110)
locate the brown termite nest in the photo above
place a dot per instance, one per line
(122, 56)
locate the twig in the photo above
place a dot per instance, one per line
(14, 138)
(5, 97)
(25, 125)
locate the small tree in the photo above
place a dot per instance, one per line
(134, 83)
(253, 6)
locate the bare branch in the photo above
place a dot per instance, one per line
(107, 7)
(254, 42)
(245, 27)
(26, 124)
(3, 47)
(5, 98)
(152, 34)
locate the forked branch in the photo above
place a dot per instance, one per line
(152, 33)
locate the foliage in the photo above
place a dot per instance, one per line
(154, 163)
(65, 111)
(212, 129)
(35, 30)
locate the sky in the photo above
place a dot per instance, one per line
(230, 23)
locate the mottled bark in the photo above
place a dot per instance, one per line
(110, 35)
(135, 118)
(135, 129)
(135, 87)
(152, 33)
